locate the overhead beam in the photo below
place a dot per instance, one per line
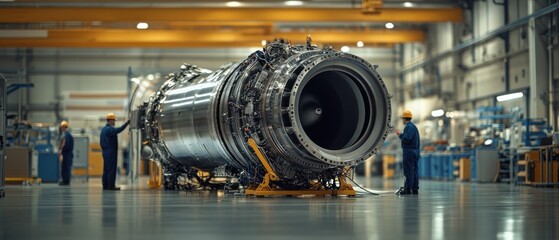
(50, 44)
(132, 44)
(254, 24)
(115, 14)
(182, 38)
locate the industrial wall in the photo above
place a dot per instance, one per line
(471, 77)
(82, 85)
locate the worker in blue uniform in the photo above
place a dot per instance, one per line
(109, 147)
(410, 149)
(65, 153)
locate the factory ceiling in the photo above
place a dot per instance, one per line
(104, 23)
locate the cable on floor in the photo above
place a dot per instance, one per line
(364, 189)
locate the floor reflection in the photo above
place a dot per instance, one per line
(443, 210)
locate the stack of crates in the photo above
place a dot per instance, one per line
(458, 159)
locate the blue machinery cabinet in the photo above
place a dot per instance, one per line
(436, 166)
(440, 165)
(485, 165)
(425, 165)
(48, 167)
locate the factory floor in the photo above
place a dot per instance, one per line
(443, 210)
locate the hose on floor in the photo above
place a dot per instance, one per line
(364, 189)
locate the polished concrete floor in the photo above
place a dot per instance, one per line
(443, 210)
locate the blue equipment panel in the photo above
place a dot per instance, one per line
(48, 167)
(424, 165)
(436, 166)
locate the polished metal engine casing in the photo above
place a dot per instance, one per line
(310, 110)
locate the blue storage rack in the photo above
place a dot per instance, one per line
(490, 109)
(533, 137)
(489, 115)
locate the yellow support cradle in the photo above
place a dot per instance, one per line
(266, 188)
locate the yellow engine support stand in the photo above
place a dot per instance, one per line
(266, 188)
(155, 175)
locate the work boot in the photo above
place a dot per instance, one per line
(403, 191)
(114, 188)
(415, 192)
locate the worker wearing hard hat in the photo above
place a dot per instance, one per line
(109, 147)
(410, 148)
(65, 153)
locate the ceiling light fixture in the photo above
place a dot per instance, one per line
(264, 43)
(408, 4)
(360, 44)
(344, 49)
(142, 25)
(293, 3)
(437, 113)
(510, 96)
(389, 25)
(233, 4)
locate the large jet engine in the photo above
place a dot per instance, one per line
(312, 112)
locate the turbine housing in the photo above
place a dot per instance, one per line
(311, 111)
